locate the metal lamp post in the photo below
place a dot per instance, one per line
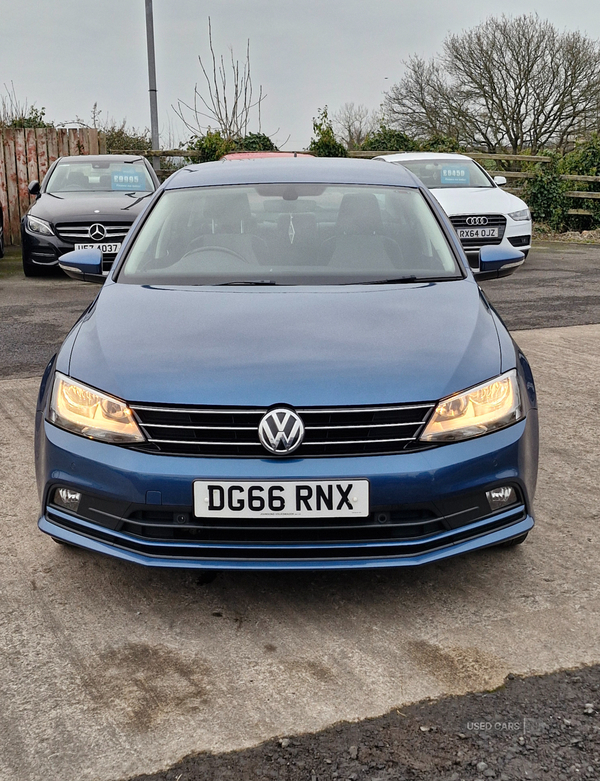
(152, 81)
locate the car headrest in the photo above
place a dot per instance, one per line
(359, 213)
(228, 212)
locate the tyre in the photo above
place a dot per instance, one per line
(32, 270)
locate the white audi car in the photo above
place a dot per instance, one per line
(481, 212)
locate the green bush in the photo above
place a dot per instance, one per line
(213, 146)
(120, 138)
(33, 118)
(545, 194)
(255, 142)
(440, 144)
(323, 143)
(388, 140)
(584, 160)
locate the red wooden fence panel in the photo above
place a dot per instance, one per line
(26, 155)
(12, 218)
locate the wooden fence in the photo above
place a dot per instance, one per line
(26, 154)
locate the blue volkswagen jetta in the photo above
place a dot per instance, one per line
(290, 365)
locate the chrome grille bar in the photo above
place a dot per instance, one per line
(329, 431)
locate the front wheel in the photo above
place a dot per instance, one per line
(31, 269)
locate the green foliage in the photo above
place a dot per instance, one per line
(440, 144)
(323, 142)
(585, 160)
(545, 194)
(255, 142)
(388, 140)
(120, 138)
(33, 118)
(213, 146)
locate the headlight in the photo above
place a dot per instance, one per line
(86, 411)
(35, 225)
(522, 214)
(488, 407)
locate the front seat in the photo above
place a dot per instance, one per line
(228, 223)
(359, 243)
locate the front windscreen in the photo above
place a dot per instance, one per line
(93, 176)
(448, 173)
(289, 234)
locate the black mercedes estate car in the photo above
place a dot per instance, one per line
(84, 201)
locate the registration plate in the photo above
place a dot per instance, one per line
(106, 248)
(477, 233)
(285, 499)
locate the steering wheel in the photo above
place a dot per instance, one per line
(215, 248)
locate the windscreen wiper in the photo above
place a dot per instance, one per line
(249, 282)
(393, 281)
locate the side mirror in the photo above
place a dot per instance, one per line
(83, 264)
(497, 262)
(500, 180)
(34, 188)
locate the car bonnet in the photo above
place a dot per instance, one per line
(342, 345)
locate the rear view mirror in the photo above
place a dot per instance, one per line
(497, 262)
(34, 188)
(83, 264)
(500, 180)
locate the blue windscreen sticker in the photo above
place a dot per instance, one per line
(455, 175)
(128, 179)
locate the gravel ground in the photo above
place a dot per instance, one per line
(531, 728)
(535, 728)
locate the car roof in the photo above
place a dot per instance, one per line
(400, 156)
(256, 155)
(325, 170)
(101, 158)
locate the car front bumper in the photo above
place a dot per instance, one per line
(517, 235)
(432, 502)
(45, 251)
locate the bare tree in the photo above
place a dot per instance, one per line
(511, 83)
(352, 124)
(227, 102)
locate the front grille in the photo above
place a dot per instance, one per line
(493, 221)
(397, 524)
(107, 260)
(233, 432)
(80, 231)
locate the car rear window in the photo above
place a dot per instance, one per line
(289, 234)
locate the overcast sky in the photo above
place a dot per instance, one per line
(68, 54)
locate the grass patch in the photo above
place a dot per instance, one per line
(11, 263)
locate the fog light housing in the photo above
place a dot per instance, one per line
(67, 498)
(500, 497)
